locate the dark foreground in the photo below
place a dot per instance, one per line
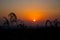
(30, 34)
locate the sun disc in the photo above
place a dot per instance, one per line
(34, 20)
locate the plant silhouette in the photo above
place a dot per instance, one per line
(20, 24)
(56, 22)
(6, 21)
(13, 17)
(48, 21)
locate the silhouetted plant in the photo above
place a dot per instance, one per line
(56, 22)
(13, 17)
(6, 21)
(48, 21)
(21, 24)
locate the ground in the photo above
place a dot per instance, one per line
(30, 34)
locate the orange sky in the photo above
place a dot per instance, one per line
(31, 9)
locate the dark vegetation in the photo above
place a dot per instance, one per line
(20, 31)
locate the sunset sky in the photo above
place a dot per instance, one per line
(31, 9)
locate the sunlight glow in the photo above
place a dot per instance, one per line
(34, 20)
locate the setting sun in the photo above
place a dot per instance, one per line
(34, 20)
(32, 14)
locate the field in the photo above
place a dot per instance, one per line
(30, 34)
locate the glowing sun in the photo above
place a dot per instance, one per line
(34, 20)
